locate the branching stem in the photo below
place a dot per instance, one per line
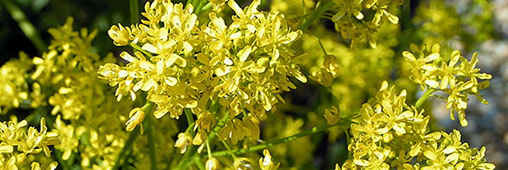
(425, 96)
(320, 10)
(314, 130)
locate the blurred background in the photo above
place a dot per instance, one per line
(485, 30)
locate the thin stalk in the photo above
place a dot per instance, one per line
(320, 9)
(134, 11)
(147, 108)
(207, 7)
(314, 130)
(208, 149)
(424, 98)
(217, 128)
(138, 48)
(187, 158)
(184, 162)
(151, 142)
(199, 6)
(229, 150)
(132, 137)
(25, 25)
(188, 115)
(348, 140)
(198, 163)
(320, 43)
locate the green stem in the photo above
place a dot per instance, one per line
(147, 108)
(320, 9)
(138, 48)
(25, 25)
(199, 6)
(200, 164)
(348, 141)
(229, 150)
(188, 115)
(151, 142)
(424, 98)
(217, 128)
(134, 11)
(189, 154)
(207, 7)
(184, 162)
(208, 149)
(132, 137)
(314, 130)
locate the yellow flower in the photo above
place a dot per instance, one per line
(332, 115)
(181, 63)
(212, 164)
(454, 75)
(349, 17)
(137, 115)
(17, 142)
(183, 142)
(391, 134)
(266, 163)
(13, 87)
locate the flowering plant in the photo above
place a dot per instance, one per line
(210, 85)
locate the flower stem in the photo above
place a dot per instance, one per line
(134, 11)
(320, 10)
(147, 108)
(314, 130)
(25, 25)
(229, 150)
(424, 98)
(206, 7)
(198, 163)
(151, 142)
(190, 119)
(199, 6)
(138, 48)
(184, 163)
(132, 137)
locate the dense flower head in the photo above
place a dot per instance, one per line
(391, 134)
(351, 22)
(181, 63)
(13, 87)
(16, 142)
(452, 74)
(65, 79)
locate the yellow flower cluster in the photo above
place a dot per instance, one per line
(16, 143)
(391, 134)
(348, 72)
(65, 78)
(453, 74)
(183, 64)
(351, 22)
(14, 88)
(69, 70)
(440, 23)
